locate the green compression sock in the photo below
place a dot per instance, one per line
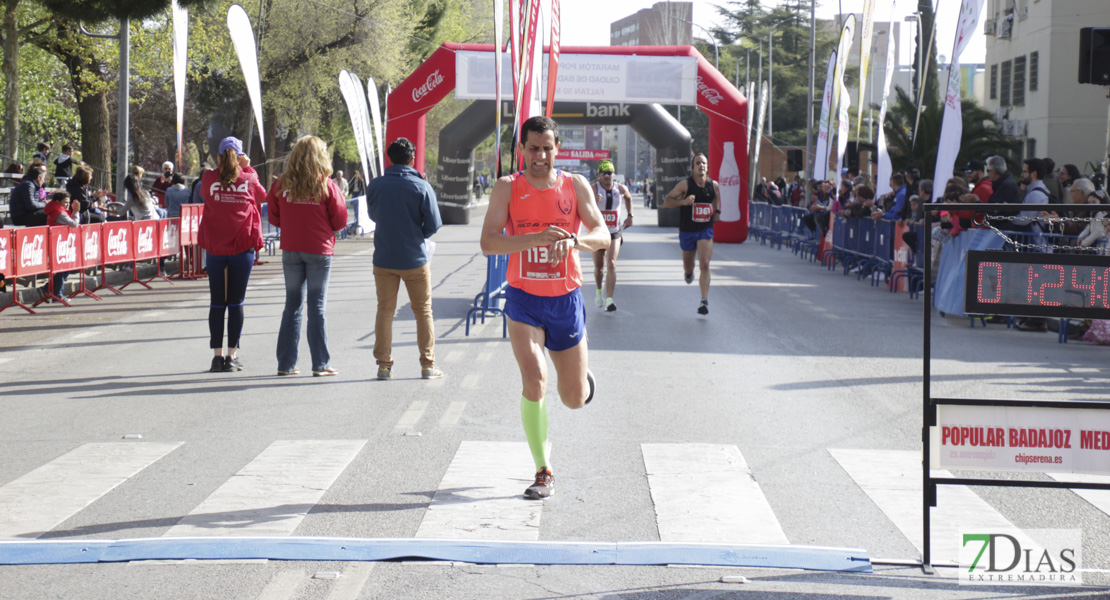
(534, 417)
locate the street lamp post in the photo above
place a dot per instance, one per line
(716, 49)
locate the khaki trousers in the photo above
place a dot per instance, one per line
(418, 284)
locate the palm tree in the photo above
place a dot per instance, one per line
(981, 138)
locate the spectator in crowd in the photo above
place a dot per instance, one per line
(309, 208)
(357, 185)
(898, 205)
(231, 234)
(1055, 190)
(195, 197)
(162, 183)
(1004, 189)
(1068, 174)
(982, 186)
(63, 165)
(1096, 230)
(91, 202)
(344, 186)
(912, 181)
(61, 210)
(176, 195)
(1035, 193)
(141, 204)
(404, 206)
(25, 205)
(14, 168)
(818, 215)
(865, 202)
(1076, 194)
(43, 153)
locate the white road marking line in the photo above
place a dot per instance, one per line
(283, 586)
(272, 494)
(451, 416)
(42, 499)
(453, 356)
(351, 581)
(86, 334)
(892, 479)
(706, 493)
(1099, 498)
(151, 314)
(411, 416)
(485, 356)
(4, 360)
(469, 380)
(482, 495)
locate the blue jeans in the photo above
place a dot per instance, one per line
(304, 271)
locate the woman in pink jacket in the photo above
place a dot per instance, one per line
(309, 208)
(231, 234)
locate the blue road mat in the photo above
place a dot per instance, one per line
(470, 551)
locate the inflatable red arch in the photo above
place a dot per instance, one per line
(725, 106)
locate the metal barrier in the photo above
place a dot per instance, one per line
(488, 301)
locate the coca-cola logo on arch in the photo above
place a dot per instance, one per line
(430, 84)
(729, 180)
(711, 95)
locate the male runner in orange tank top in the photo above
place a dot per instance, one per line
(534, 216)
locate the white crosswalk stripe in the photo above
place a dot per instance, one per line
(706, 493)
(272, 494)
(44, 498)
(481, 495)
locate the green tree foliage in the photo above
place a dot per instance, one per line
(982, 136)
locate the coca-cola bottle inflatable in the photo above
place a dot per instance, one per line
(728, 180)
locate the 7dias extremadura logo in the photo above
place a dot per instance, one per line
(1027, 557)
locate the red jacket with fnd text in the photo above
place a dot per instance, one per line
(308, 225)
(232, 222)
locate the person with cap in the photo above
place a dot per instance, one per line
(163, 183)
(698, 200)
(982, 186)
(231, 234)
(613, 199)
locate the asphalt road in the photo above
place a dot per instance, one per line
(796, 378)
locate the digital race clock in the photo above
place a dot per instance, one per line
(1034, 284)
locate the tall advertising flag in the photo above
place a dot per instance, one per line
(498, 34)
(952, 127)
(242, 37)
(754, 175)
(842, 50)
(842, 128)
(180, 59)
(821, 157)
(376, 121)
(352, 95)
(524, 96)
(865, 58)
(882, 176)
(553, 58)
(367, 128)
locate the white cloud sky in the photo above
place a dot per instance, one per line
(585, 25)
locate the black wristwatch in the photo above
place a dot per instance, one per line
(574, 236)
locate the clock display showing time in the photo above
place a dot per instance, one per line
(1033, 284)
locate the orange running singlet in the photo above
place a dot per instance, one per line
(531, 211)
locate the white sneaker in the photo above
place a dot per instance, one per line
(599, 299)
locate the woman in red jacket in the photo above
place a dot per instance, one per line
(309, 208)
(231, 234)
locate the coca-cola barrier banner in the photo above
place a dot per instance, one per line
(65, 244)
(191, 215)
(31, 251)
(6, 252)
(90, 245)
(724, 105)
(116, 238)
(146, 245)
(169, 235)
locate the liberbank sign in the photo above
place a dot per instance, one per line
(608, 78)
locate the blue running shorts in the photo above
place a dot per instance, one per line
(562, 318)
(688, 240)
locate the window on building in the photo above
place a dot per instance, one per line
(1030, 147)
(1004, 87)
(994, 82)
(1019, 81)
(1034, 59)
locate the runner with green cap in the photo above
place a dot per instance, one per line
(615, 203)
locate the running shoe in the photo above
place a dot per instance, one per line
(703, 308)
(609, 306)
(325, 372)
(385, 373)
(217, 365)
(431, 372)
(543, 487)
(599, 299)
(593, 384)
(293, 371)
(232, 364)
(689, 278)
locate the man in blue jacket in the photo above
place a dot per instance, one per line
(26, 207)
(898, 184)
(403, 206)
